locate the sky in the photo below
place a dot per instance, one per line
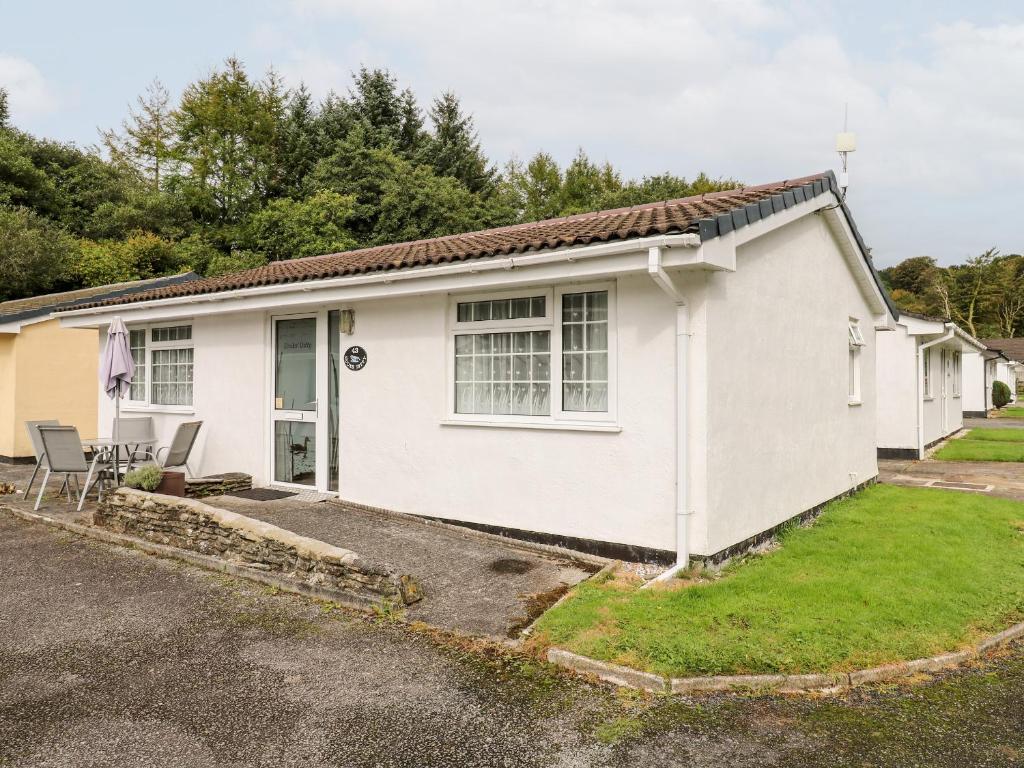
(744, 89)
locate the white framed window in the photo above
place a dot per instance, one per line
(163, 356)
(956, 373)
(854, 346)
(533, 356)
(927, 365)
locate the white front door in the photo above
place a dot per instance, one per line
(304, 406)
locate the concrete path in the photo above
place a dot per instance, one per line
(997, 423)
(470, 583)
(995, 478)
(113, 658)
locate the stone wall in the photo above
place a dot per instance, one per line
(216, 485)
(193, 525)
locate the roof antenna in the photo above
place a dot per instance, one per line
(846, 142)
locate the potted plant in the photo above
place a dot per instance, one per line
(155, 480)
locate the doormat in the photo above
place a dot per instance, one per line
(261, 494)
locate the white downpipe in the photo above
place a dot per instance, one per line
(950, 329)
(665, 282)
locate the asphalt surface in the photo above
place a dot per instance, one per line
(114, 658)
(481, 586)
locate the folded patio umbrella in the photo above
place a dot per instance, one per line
(116, 372)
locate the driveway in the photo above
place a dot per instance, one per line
(112, 658)
(477, 584)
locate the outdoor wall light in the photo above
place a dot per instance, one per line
(348, 321)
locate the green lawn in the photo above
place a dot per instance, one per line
(893, 573)
(985, 445)
(1012, 412)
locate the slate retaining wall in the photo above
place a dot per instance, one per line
(193, 525)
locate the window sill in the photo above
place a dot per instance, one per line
(562, 426)
(179, 410)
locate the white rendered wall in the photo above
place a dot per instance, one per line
(942, 398)
(229, 368)
(397, 454)
(896, 368)
(785, 439)
(974, 396)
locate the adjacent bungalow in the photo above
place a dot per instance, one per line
(920, 384)
(978, 369)
(1008, 367)
(662, 381)
(50, 372)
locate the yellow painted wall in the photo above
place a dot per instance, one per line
(7, 368)
(55, 377)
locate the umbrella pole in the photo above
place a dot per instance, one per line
(117, 435)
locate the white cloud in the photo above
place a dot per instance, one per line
(29, 93)
(743, 89)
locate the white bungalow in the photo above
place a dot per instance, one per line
(979, 370)
(1007, 365)
(571, 380)
(920, 384)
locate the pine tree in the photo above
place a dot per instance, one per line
(454, 149)
(146, 141)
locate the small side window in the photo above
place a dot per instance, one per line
(856, 343)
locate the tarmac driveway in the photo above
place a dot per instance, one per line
(109, 657)
(472, 583)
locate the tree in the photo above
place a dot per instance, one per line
(587, 186)
(537, 187)
(141, 256)
(454, 149)
(964, 289)
(145, 144)
(5, 113)
(389, 117)
(1008, 295)
(298, 139)
(227, 132)
(415, 204)
(290, 229)
(33, 255)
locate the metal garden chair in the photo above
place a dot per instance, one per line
(64, 456)
(37, 446)
(178, 452)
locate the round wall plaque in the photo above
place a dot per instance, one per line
(355, 358)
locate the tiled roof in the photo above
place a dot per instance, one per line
(709, 214)
(1011, 348)
(34, 306)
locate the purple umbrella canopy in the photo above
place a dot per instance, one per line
(117, 367)
(116, 372)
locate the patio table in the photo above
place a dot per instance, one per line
(108, 443)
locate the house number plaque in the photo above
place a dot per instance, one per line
(355, 358)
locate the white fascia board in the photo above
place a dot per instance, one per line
(969, 342)
(917, 326)
(721, 251)
(856, 259)
(567, 265)
(10, 327)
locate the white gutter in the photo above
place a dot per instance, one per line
(950, 332)
(473, 266)
(657, 272)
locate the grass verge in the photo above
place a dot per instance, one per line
(1011, 412)
(891, 574)
(985, 445)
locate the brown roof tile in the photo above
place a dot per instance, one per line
(689, 214)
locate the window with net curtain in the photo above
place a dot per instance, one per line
(163, 359)
(511, 373)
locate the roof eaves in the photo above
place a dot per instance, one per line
(39, 313)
